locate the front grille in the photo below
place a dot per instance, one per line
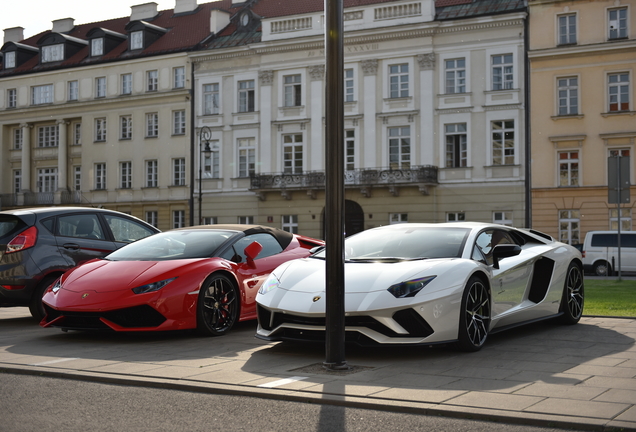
(134, 317)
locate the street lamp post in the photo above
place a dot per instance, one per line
(204, 151)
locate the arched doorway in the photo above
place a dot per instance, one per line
(354, 219)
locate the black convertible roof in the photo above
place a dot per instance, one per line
(284, 238)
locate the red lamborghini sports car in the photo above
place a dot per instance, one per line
(204, 278)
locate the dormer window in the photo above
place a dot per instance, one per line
(52, 53)
(9, 59)
(97, 47)
(136, 40)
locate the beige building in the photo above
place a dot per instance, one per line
(434, 114)
(582, 64)
(98, 114)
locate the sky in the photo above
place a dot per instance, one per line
(36, 16)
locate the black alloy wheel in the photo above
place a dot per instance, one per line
(573, 295)
(218, 306)
(475, 314)
(35, 305)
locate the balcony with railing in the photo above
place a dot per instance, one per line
(364, 179)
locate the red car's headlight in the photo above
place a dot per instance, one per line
(151, 287)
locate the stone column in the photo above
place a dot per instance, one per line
(427, 108)
(315, 150)
(62, 156)
(369, 147)
(26, 157)
(267, 155)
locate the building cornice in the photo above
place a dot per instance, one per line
(572, 50)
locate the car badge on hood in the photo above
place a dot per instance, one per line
(84, 295)
(316, 299)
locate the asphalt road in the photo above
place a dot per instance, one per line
(33, 403)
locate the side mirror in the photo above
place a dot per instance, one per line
(504, 251)
(252, 251)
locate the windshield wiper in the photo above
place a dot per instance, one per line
(384, 259)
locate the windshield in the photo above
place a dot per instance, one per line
(403, 243)
(182, 244)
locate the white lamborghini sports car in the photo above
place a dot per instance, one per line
(428, 284)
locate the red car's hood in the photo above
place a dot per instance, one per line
(109, 276)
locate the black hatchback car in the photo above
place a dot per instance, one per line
(37, 245)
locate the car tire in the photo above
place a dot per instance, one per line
(573, 298)
(218, 306)
(35, 305)
(475, 315)
(602, 268)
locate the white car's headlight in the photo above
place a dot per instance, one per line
(155, 286)
(270, 283)
(409, 288)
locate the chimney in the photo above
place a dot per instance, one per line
(144, 11)
(13, 34)
(63, 25)
(182, 6)
(218, 20)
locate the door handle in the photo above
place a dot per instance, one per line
(72, 246)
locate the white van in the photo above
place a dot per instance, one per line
(600, 252)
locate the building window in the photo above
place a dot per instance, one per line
(126, 84)
(618, 23)
(48, 136)
(136, 40)
(52, 53)
(9, 59)
(77, 178)
(618, 89)
(47, 180)
(568, 90)
(152, 79)
(398, 218)
(12, 98)
(400, 147)
(152, 125)
(152, 217)
(290, 223)
(178, 218)
(100, 176)
(210, 99)
(97, 47)
(503, 142)
(125, 127)
(17, 138)
(17, 181)
(293, 153)
(619, 152)
(246, 96)
(178, 172)
(350, 149)
(152, 173)
(73, 90)
(125, 175)
(42, 94)
(178, 123)
(77, 133)
(100, 87)
(179, 77)
(456, 145)
(502, 76)
(455, 217)
(502, 218)
(569, 226)
(348, 85)
(626, 219)
(210, 220)
(245, 220)
(100, 129)
(455, 76)
(568, 168)
(399, 81)
(567, 29)
(292, 90)
(246, 157)
(211, 162)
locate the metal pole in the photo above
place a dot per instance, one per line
(618, 205)
(204, 135)
(334, 206)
